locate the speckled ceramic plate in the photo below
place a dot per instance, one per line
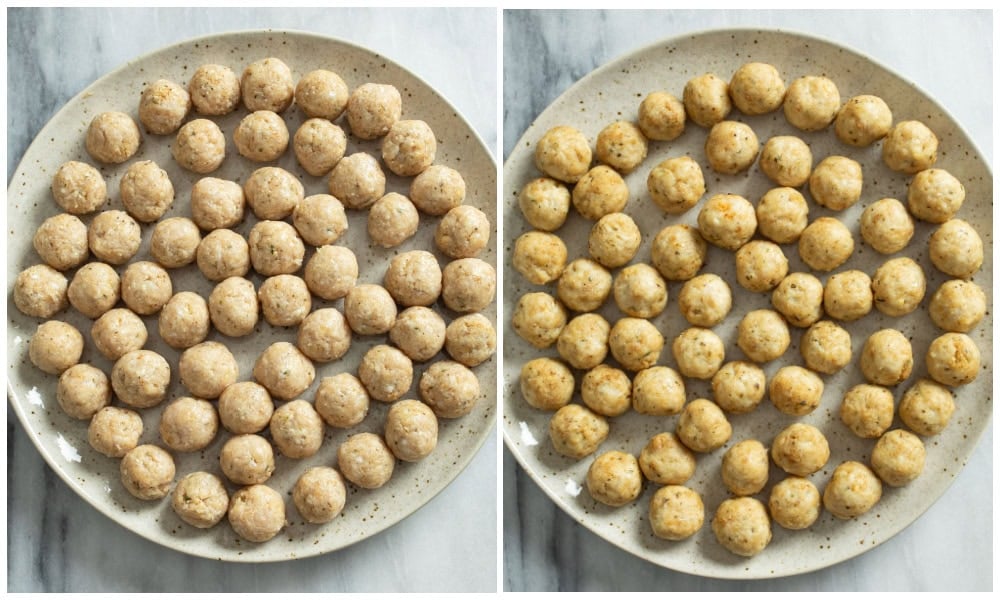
(613, 92)
(63, 441)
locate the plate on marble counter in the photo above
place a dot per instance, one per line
(613, 92)
(62, 441)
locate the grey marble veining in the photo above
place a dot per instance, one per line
(950, 546)
(55, 540)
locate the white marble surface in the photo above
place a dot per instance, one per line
(55, 540)
(951, 546)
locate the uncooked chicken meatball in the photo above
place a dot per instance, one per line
(606, 390)
(676, 512)
(600, 191)
(141, 378)
(826, 347)
(233, 307)
(147, 472)
(584, 285)
(79, 188)
(676, 184)
(200, 499)
(357, 181)
(463, 232)
(200, 146)
(215, 90)
(297, 429)
(392, 220)
(61, 242)
(584, 341)
(782, 215)
(956, 249)
(274, 248)
(247, 459)
(451, 389)
(331, 272)
(217, 203)
(342, 400)
(319, 494)
(114, 237)
(163, 106)
(738, 386)
(319, 145)
(113, 431)
(852, 491)
(935, 195)
(386, 372)
(539, 257)
(322, 94)
(273, 193)
(184, 320)
(614, 478)
(898, 286)
(836, 182)
(887, 357)
(544, 202)
(811, 103)
(678, 252)
(727, 221)
(257, 513)
(188, 424)
(118, 332)
(665, 460)
(369, 309)
(546, 383)
(563, 153)
(223, 253)
(699, 352)
(207, 369)
(174, 243)
(539, 319)
(848, 295)
(886, 226)
(261, 136)
(470, 339)
(786, 160)
(411, 430)
(576, 431)
(267, 84)
(614, 240)
(863, 120)
(324, 335)
(661, 116)
(41, 291)
(245, 407)
(55, 347)
(731, 147)
(706, 99)
(409, 147)
(640, 291)
(909, 147)
(825, 244)
(419, 332)
(94, 290)
(83, 390)
(284, 371)
(437, 190)
(366, 461)
(284, 300)
(621, 145)
(372, 110)
(703, 427)
(112, 137)
(800, 449)
(763, 335)
(468, 285)
(867, 410)
(320, 219)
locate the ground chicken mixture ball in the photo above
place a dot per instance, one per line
(245, 407)
(217, 203)
(55, 347)
(331, 272)
(811, 103)
(357, 181)
(887, 357)
(257, 513)
(898, 286)
(83, 390)
(757, 88)
(163, 106)
(297, 429)
(782, 215)
(742, 526)
(705, 300)
(576, 431)
(372, 110)
(386, 373)
(61, 242)
(703, 427)
(469, 285)
(284, 371)
(956, 249)
(94, 290)
(622, 146)
(366, 461)
(419, 332)
(200, 146)
(794, 503)
(322, 94)
(546, 383)
(635, 343)
(324, 335)
(233, 307)
(284, 300)
(727, 221)
(267, 84)
(113, 431)
(261, 136)
(935, 195)
(369, 309)
(676, 512)
(867, 410)
(273, 193)
(886, 226)
(118, 332)
(207, 369)
(658, 390)
(274, 248)
(539, 257)
(463, 232)
(606, 390)
(614, 240)
(319, 145)
(760, 266)
(958, 306)
(799, 298)
(200, 499)
(470, 339)
(320, 219)
(909, 147)
(706, 99)
(147, 472)
(79, 188)
(676, 184)
(738, 386)
(731, 147)
(698, 352)
(184, 320)
(898, 457)
(665, 460)
(584, 341)
(640, 291)
(409, 147)
(411, 430)
(795, 391)
(863, 121)
(319, 494)
(826, 244)
(584, 285)
(188, 424)
(215, 90)
(174, 243)
(848, 295)
(223, 253)
(763, 335)
(836, 183)
(614, 478)
(342, 400)
(926, 407)
(745, 468)
(826, 347)
(539, 319)
(450, 388)
(953, 359)
(786, 160)
(800, 449)
(392, 220)
(599, 192)
(852, 491)
(678, 252)
(114, 237)
(141, 378)
(41, 291)
(247, 459)
(661, 116)
(437, 190)
(563, 153)
(112, 137)
(544, 202)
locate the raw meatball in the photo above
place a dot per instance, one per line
(284, 300)
(324, 335)
(635, 343)
(731, 147)
(538, 319)
(676, 184)
(369, 309)
(112, 137)
(247, 459)
(470, 339)
(284, 371)
(800, 449)
(727, 221)
(409, 147)
(274, 248)
(546, 383)
(782, 215)
(207, 369)
(640, 291)
(233, 307)
(601, 191)
(606, 390)
(357, 181)
(200, 146)
(61, 242)
(320, 219)
(419, 332)
(184, 320)
(622, 146)
(848, 295)
(745, 468)
(386, 373)
(811, 103)
(297, 429)
(898, 457)
(319, 493)
(926, 407)
(469, 284)
(322, 94)
(698, 352)
(867, 410)
(584, 341)
(41, 291)
(331, 272)
(451, 389)
(372, 109)
(463, 232)
(799, 298)
(261, 136)
(665, 460)
(83, 390)
(257, 513)
(411, 430)
(757, 88)
(544, 202)
(366, 461)
(215, 90)
(188, 424)
(863, 121)
(141, 378)
(836, 183)
(738, 386)
(676, 512)
(953, 359)
(658, 390)
(794, 503)
(437, 190)
(826, 244)
(614, 240)
(55, 347)
(175, 241)
(114, 431)
(539, 257)
(245, 407)
(342, 400)
(703, 427)
(958, 306)
(909, 147)
(852, 491)
(114, 237)
(118, 332)
(661, 116)
(678, 252)
(94, 290)
(584, 285)
(763, 335)
(898, 287)
(224, 253)
(200, 499)
(705, 300)
(163, 106)
(576, 431)
(79, 188)
(887, 358)
(392, 220)
(795, 391)
(273, 193)
(760, 266)
(706, 99)
(786, 160)
(956, 249)
(741, 525)
(267, 85)
(614, 478)
(147, 472)
(826, 347)
(886, 226)
(216, 203)
(563, 153)
(935, 195)
(319, 145)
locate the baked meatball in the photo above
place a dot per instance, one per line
(284, 300)
(342, 400)
(207, 369)
(409, 147)
(147, 472)
(546, 383)
(614, 240)
(411, 430)
(539, 319)
(836, 183)
(386, 373)
(705, 300)
(863, 120)
(584, 285)
(763, 335)
(369, 309)
(661, 116)
(926, 407)
(118, 332)
(284, 371)
(811, 103)
(233, 307)
(640, 291)
(600, 191)
(188, 424)
(55, 347)
(41, 291)
(676, 184)
(676, 512)
(223, 253)
(741, 525)
(366, 461)
(318, 146)
(174, 242)
(958, 306)
(200, 499)
(141, 378)
(757, 88)
(852, 491)
(372, 109)
(622, 146)
(261, 136)
(112, 137)
(795, 391)
(886, 226)
(953, 359)
(678, 252)
(215, 90)
(245, 407)
(898, 457)
(760, 266)
(94, 290)
(956, 249)
(539, 257)
(267, 84)
(61, 242)
(782, 215)
(273, 193)
(703, 427)
(419, 332)
(825, 244)
(83, 390)
(886, 358)
(786, 160)
(319, 494)
(469, 284)
(909, 147)
(658, 390)
(794, 503)
(727, 221)
(79, 188)
(576, 431)
(867, 410)
(256, 513)
(665, 460)
(798, 297)
(324, 335)
(331, 272)
(322, 94)
(392, 220)
(848, 296)
(584, 341)
(357, 181)
(113, 431)
(935, 195)
(274, 248)
(898, 287)
(163, 106)
(200, 146)
(451, 389)
(463, 232)
(606, 390)
(635, 343)
(738, 386)
(544, 202)
(563, 153)
(706, 99)
(745, 468)
(731, 147)
(800, 449)
(614, 478)
(247, 459)
(437, 190)
(297, 429)
(184, 320)
(826, 347)
(470, 339)
(699, 352)
(114, 237)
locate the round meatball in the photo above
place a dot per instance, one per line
(935, 195)
(83, 390)
(245, 407)
(909, 147)
(676, 184)
(811, 103)
(863, 120)
(786, 160)
(825, 244)
(745, 468)
(953, 359)
(274, 248)
(93, 291)
(297, 429)
(114, 237)
(658, 390)
(409, 147)
(926, 407)
(233, 307)
(145, 287)
(622, 146)
(640, 291)
(55, 347)
(366, 461)
(665, 460)
(887, 358)
(247, 459)
(79, 188)
(898, 457)
(256, 513)
(261, 136)
(470, 339)
(188, 424)
(836, 182)
(200, 499)
(614, 240)
(200, 146)
(118, 332)
(463, 232)
(763, 335)
(284, 371)
(584, 285)
(320, 219)
(61, 242)
(731, 147)
(324, 335)
(606, 390)
(223, 253)
(319, 145)
(576, 431)
(699, 352)
(852, 491)
(331, 272)
(563, 153)
(319, 494)
(147, 472)
(267, 84)
(437, 190)
(886, 226)
(600, 191)
(706, 99)
(703, 427)
(322, 94)
(705, 300)
(419, 332)
(273, 193)
(738, 386)
(635, 343)
(342, 400)
(369, 309)
(614, 478)
(215, 90)
(958, 306)
(583, 342)
(112, 137)
(41, 291)
(848, 295)
(451, 389)
(174, 242)
(539, 319)
(676, 512)
(163, 106)
(113, 431)
(956, 249)
(469, 284)
(284, 300)
(357, 181)
(411, 430)
(898, 287)
(795, 391)
(539, 257)
(760, 266)
(546, 383)
(799, 298)
(544, 202)
(392, 220)
(678, 252)
(141, 378)
(741, 525)
(184, 320)
(386, 373)
(372, 110)
(661, 116)
(794, 503)
(867, 410)
(727, 221)
(826, 347)
(782, 215)
(207, 369)
(800, 449)
(757, 88)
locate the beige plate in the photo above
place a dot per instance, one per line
(63, 441)
(613, 92)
